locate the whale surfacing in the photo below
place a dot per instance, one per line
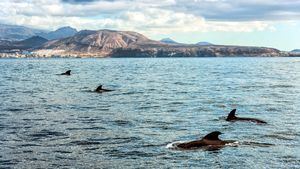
(100, 89)
(231, 117)
(211, 139)
(67, 73)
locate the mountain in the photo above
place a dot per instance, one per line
(33, 42)
(296, 51)
(60, 33)
(168, 41)
(16, 33)
(204, 43)
(110, 43)
(196, 51)
(30, 43)
(95, 43)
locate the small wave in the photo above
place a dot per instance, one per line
(118, 140)
(183, 83)
(233, 144)
(62, 151)
(282, 86)
(279, 137)
(121, 140)
(175, 103)
(129, 154)
(250, 143)
(174, 145)
(13, 109)
(131, 92)
(62, 158)
(288, 133)
(85, 128)
(8, 162)
(122, 123)
(103, 109)
(29, 145)
(84, 142)
(88, 91)
(148, 107)
(46, 134)
(251, 87)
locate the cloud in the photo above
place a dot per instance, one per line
(78, 1)
(151, 17)
(241, 10)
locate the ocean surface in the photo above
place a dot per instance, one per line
(52, 121)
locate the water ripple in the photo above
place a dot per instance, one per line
(50, 121)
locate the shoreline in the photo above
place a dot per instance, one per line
(149, 57)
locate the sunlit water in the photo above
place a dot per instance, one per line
(50, 121)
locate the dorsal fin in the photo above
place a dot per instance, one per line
(68, 72)
(231, 115)
(99, 88)
(212, 136)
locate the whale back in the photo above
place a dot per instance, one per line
(212, 136)
(231, 115)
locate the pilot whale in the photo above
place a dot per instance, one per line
(231, 117)
(211, 140)
(100, 89)
(67, 73)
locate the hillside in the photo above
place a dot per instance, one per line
(95, 43)
(17, 33)
(110, 43)
(27, 44)
(60, 33)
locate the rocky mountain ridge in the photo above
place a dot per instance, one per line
(112, 43)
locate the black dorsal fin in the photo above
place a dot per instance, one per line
(68, 72)
(231, 115)
(99, 88)
(213, 136)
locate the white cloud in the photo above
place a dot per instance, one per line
(144, 16)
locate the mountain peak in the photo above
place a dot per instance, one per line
(60, 33)
(168, 41)
(100, 42)
(204, 43)
(66, 28)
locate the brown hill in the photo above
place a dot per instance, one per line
(110, 43)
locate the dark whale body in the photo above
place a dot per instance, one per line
(211, 139)
(67, 73)
(231, 117)
(100, 89)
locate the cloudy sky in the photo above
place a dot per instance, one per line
(272, 23)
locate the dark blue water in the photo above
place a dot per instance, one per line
(50, 121)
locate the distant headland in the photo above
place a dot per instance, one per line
(68, 42)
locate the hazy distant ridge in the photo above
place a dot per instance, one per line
(296, 51)
(60, 33)
(16, 33)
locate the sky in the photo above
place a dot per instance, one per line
(270, 23)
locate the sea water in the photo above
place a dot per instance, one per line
(52, 121)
